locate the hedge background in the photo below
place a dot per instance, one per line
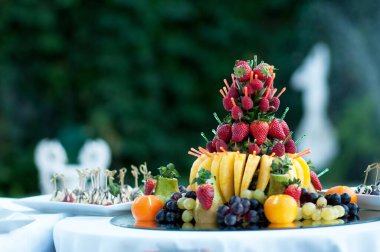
(144, 75)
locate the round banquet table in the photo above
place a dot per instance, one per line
(98, 234)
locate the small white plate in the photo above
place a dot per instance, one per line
(10, 221)
(369, 202)
(43, 204)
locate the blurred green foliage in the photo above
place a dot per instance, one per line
(143, 75)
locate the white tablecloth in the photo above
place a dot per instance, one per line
(78, 234)
(35, 237)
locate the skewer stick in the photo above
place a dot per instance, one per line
(251, 77)
(233, 101)
(273, 154)
(246, 91)
(300, 139)
(222, 148)
(226, 83)
(193, 154)
(274, 92)
(302, 153)
(282, 91)
(222, 93)
(233, 80)
(323, 172)
(196, 151)
(225, 90)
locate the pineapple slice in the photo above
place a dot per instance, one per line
(195, 168)
(250, 168)
(226, 175)
(206, 164)
(239, 165)
(215, 167)
(306, 172)
(264, 174)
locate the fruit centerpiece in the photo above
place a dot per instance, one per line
(251, 171)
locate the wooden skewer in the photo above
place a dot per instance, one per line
(246, 91)
(233, 80)
(222, 148)
(226, 83)
(302, 153)
(251, 77)
(273, 154)
(254, 153)
(282, 91)
(204, 151)
(196, 151)
(233, 101)
(193, 154)
(225, 90)
(274, 92)
(222, 93)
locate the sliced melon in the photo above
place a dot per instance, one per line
(249, 171)
(239, 165)
(226, 176)
(264, 174)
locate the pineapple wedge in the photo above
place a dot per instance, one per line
(306, 172)
(239, 165)
(207, 162)
(264, 174)
(215, 167)
(299, 172)
(195, 168)
(226, 175)
(250, 168)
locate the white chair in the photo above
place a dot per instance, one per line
(50, 157)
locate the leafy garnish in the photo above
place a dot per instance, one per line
(264, 69)
(168, 171)
(203, 176)
(281, 166)
(310, 164)
(239, 71)
(114, 188)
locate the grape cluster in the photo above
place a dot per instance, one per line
(178, 209)
(241, 211)
(316, 207)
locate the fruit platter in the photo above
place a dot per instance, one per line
(97, 193)
(368, 195)
(249, 175)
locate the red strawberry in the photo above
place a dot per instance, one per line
(276, 131)
(256, 83)
(264, 104)
(227, 103)
(315, 181)
(214, 141)
(205, 195)
(233, 92)
(268, 81)
(220, 145)
(262, 71)
(236, 112)
(224, 132)
(240, 131)
(290, 146)
(285, 127)
(274, 104)
(293, 191)
(246, 101)
(250, 90)
(242, 71)
(150, 184)
(279, 149)
(259, 130)
(254, 147)
(210, 147)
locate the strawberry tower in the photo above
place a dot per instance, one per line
(251, 136)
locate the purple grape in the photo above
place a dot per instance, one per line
(345, 198)
(176, 196)
(234, 199)
(252, 217)
(230, 219)
(237, 208)
(254, 204)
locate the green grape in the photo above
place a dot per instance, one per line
(299, 214)
(187, 226)
(322, 202)
(180, 203)
(258, 195)
(340, 210)
(308, 209)
(187, 216)
(189, 203)
(316, 216)
(328, 214)
(246, 194)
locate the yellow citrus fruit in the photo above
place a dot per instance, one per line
(280, 209)
(343, 189)
(145, 208)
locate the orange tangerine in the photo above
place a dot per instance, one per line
(343, 189)
(145, 208)
(280, 209)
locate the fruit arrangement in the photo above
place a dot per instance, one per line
(251, 172)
